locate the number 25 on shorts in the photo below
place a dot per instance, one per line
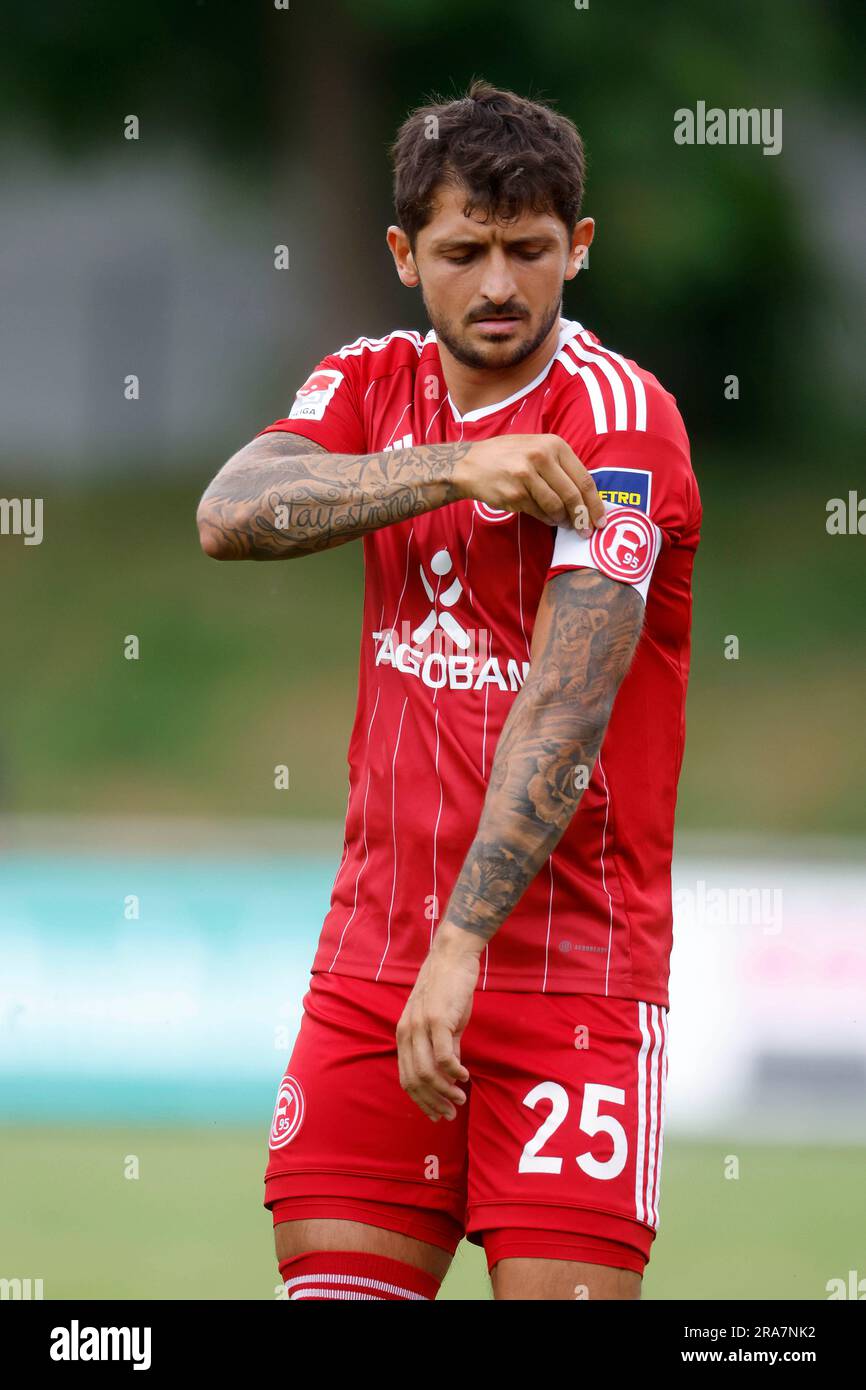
(591, 1122)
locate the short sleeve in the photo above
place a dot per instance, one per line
(326, 409)
(644, 476)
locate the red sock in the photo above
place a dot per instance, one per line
(350, 1274)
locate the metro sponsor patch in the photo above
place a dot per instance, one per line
(624, 487)
(312, 399)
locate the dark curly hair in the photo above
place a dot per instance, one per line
(513, 155)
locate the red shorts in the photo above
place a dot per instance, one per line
(556, 1153)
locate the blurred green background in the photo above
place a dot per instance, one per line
(155, 256)
(246, 665)
(708, 262)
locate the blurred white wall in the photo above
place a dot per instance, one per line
(194, 1003)
(767, 1029)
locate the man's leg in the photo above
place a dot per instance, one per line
(361, 1207)
(297, 1237)
(562, 1211)
(562, 1279)
(324, 1258)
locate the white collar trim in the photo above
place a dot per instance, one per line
(569, 328)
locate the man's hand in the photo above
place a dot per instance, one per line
(534, 473)
(432, 1023)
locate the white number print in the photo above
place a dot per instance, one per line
(591, 1122)
(558, 1097)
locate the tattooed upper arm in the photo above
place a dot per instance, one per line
(586, 632)
(585, 635)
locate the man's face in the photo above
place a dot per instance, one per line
(492, 290)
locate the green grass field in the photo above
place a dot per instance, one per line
(191, 1224)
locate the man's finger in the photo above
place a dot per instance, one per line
(584, 481)
(408, 1080)
(431, 1087)
(447, 1060)
(576, 511)
(592, 501)
(404, 1059)
(549, 504)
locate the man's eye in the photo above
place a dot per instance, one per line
(530, 255)
(460, 260)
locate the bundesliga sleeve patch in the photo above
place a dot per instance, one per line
(626, 549)
(313, 397)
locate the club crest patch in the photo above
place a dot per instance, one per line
(626, 548)
(288, 1113)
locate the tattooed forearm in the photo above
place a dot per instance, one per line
(586, 632)
(283, 496)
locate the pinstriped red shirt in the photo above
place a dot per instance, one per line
(449, 606)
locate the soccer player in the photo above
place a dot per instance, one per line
(497, 947)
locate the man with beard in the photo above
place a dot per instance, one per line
(497, 947)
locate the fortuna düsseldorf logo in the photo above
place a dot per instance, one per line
(492, 513)
(288, 1113)
(626, 547)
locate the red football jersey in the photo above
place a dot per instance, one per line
(449, 605)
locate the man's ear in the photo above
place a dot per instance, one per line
(580, 244)
(404, 260)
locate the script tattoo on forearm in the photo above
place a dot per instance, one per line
(291, 497)
(590, 628)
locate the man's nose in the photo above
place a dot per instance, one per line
(497, 282)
